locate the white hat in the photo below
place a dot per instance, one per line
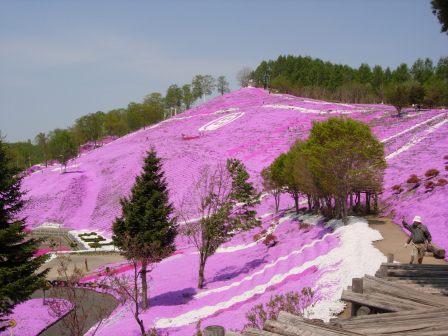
(417, 219)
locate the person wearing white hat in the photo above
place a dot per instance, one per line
(419, 239)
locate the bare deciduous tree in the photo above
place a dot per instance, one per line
(223, 199)
(243, 76)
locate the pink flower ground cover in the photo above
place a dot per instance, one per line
(32, 317)
(254, 126)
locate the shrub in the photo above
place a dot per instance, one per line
(95, 245)
(432, 173)
(87, 234)
(270, 240)
(92, 240)
(291, 302)
(263, 232)
(442, 182)
(397, 188)
(257, 236)
(446, 167)
(429, 185)
(445, 157)
(413, 179)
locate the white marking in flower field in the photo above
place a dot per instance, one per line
(307, 110)
(427, 121)
(416, 139)
(226, 110)
(68, 167)
(261, 271)
(343, 263)
(220, 122)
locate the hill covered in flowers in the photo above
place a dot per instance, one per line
(254, 126)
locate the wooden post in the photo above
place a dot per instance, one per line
(214, 331)
(357, 287)
(390, 258)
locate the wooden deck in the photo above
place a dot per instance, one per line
(401, 300)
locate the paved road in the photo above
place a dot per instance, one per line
(92, 304)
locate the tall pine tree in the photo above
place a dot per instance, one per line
(147, 219)
(18, 276)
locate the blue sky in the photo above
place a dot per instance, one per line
(63, 59)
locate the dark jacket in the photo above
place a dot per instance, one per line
(419, 233)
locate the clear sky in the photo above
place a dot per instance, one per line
(63, 59)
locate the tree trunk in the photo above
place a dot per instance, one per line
(135, 298)
(296, 201)
(358, 199)
(344, 208)
(351, 201)
(277, 201)
(310, 205)
(367, 202)
(201, 271)
(143, 272)
(375, 204)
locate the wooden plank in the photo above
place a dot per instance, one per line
(397, 327)
(402, 315)
(432, 331)
(381, 301)
(411, 320)
(400, 291)
(415, 266)
(303, 329)
(288, 330)
(417, 273)
(302, 323)
(429, 280)
(257, 332)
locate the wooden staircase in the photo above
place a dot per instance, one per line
(401, 300)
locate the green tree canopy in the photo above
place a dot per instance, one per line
(63, 146)
(440, 10)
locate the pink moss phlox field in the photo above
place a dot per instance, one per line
(32, 317)
(254, 126)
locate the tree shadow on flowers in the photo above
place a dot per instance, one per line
(173, 298)
(233, 271)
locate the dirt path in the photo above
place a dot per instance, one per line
(394, 239)
(78, 260)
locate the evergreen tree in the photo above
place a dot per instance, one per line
(18, 277)
(147, 218)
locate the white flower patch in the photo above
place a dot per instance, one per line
(220, 122)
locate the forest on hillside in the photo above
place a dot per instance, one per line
(90, 130)
(425, 83)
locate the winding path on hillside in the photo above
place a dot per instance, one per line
(394, 239)
(90, 303)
